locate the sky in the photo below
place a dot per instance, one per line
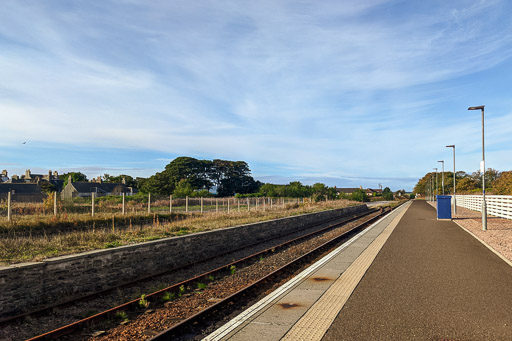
(349, 93)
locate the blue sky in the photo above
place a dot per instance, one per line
(349, 93)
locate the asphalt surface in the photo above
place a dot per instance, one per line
(430, 281)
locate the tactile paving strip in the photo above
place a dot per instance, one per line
(316, 321)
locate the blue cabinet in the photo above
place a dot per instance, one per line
(444, 207)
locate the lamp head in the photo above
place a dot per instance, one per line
(451, 146)
(480, 107)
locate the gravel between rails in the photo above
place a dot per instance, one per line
(151, 323)
(32, 326)
(498, 234)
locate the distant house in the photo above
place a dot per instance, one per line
(3, 176)
(372, 192)
(21, 192)
(347, 191)
(369, 191)
(85, 189)
(31, 178)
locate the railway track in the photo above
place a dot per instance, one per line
(194, 326)
(183, 288)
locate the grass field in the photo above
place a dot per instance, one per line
(24, 246)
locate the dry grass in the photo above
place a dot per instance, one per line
(16, 249)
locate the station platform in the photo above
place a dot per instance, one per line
(406, 277)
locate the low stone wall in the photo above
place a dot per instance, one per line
(31, 286)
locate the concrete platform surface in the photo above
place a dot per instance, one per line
(274, 316)
(430, 281)
(408, 277)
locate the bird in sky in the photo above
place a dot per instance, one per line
(24, 142)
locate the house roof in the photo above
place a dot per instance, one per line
(346, 190)
(21, 188)
(87, 187)
(378, 190)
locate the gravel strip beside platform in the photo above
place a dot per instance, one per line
(498, 234)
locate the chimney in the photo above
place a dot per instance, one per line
(69, 179)
(124, 181)
(27, 174)
(4, 173)
(49, 175)
(56, 174)
(98, 180)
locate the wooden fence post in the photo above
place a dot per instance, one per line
(248, 204)
(228, 205)
(170, 204)
(216, 205)
(124, 211)
(9, 206)
(149, 203)
(201, 205)
(186, 204)
(54, 203)
(271, 200)
(93, 195)
(238, 200)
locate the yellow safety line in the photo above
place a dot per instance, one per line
(315, 322)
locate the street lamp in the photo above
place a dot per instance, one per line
(437, 186)
(482, 169)
(442, 177)
(431, 187)
(454, 200)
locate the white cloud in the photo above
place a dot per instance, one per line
(325, 88)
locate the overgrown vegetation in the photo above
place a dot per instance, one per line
(16, 249)
(496, 182)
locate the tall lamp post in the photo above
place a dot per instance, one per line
(431, 188)
(442, 177)
(454, 200)
(437, 186)
(482, 169)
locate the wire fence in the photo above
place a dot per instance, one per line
(13, 207)
(497, 205)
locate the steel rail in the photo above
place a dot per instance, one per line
(70, 328)
(183, 327)
(92, 296)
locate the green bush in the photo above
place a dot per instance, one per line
(359, 195)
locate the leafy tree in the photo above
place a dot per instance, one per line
(196, 172)
(75, 177)
(319, 191)
(129, 180)
(157, 184)
(503, 185)
(466, 184)
(183, 189)
(230, 177)
(387, 194)
(48, 187)
(359, 195)
(400, 193)
(491, 176)
(233, 177)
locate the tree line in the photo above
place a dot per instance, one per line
(496, 182)
(187, 176)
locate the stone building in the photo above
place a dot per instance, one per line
(21, 192)
(85, 189)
